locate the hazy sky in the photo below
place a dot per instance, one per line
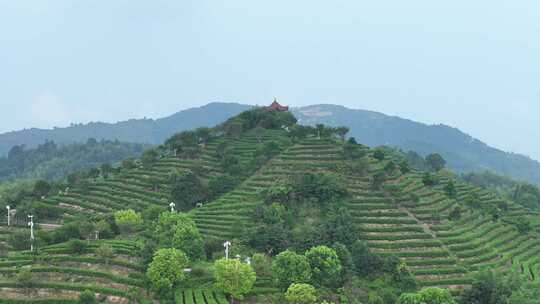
(470, 64)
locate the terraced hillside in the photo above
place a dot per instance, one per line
(438, 226)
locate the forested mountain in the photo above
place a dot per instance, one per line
(463, 152)
(148, 131)
(51, 161)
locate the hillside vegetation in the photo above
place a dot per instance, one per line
(50, 161)
(463, 152)
(311, 217)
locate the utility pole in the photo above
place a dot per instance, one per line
(227, 244)
(172, 205)
(8, 214)
(31, 224)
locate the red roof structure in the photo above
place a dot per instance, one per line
(275, 106)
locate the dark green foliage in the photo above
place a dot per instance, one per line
(177, 230)
(390, 167)
(378, 180)
(353, 151)
(450, 189)
(87, 297)
(346, 261)
(339, 227)
(149, 157)
(379, 154)
(41, 188)
(218, 185)
(429, 179)
(435, 162)
(404, 167)
(523, 225)
(365, 262)
(488, 289)
(455, 214)
(268, 150)
(186, 189)
(76, 246)
(19, 240)
(49, 161)
(319, 188)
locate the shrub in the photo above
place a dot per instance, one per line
(300, 294)
(289, 267)
(87, 297)
(128, 221)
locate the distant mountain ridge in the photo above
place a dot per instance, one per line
(463, 152)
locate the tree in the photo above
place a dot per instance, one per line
(166, 270)
(128, 221)
(325, 266)
(178, 230)
(320, 130)
(404, 167)
(105, 170)
(429, 179)
(450, 189)
(379, 154)
(186, 189)
(455, 214)
(25, 278)
(87, 297)
(41, 188)
(345, 259)
(299, 293)
(234, 277)
(342, 132)
(434, 295)
(203, 134)
(106, 252)
(365, 262)
(435, 162)
(289, 267)
(76, 246)
(340, 227)
(218, 185)
(149, 157)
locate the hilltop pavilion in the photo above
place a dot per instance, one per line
(275, 106)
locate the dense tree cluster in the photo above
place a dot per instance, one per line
(50, 161)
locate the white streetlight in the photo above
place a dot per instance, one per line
(31, 224)
(8, 214)
(238, 257)
(172, 205)
(227, 244)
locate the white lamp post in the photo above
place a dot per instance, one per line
(227, 244)
(172, 205)
(31, 224)
(8, 215)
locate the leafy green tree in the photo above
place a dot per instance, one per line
(342, 132)
(289, 267)
(339, 227)
(41, 188)
(390, 167)
(178, 230)
(450, 189)
(435, 162)
(300, 293)
(379, 154)
(218, 185)
(353, 151)
(128, 221)
(346, 261)
(87, 297)
(410, 298)
(105, 251)
(325, 266)
(319, 188)
(434, 295)
(365, 262)
(404, 167)
(455, 214)
(186, 189)
(149, 157)
(234, 277)
(429, 179)
(523, 225)
(204, 134)
(106, 170)
(76, 246)
(166, 270)
(25, 278)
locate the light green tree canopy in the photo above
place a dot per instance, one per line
(289, 267)
(128, 221)
(234, 277)
(300, 293)
(178, 230)
(325, 265)
(167, 268)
